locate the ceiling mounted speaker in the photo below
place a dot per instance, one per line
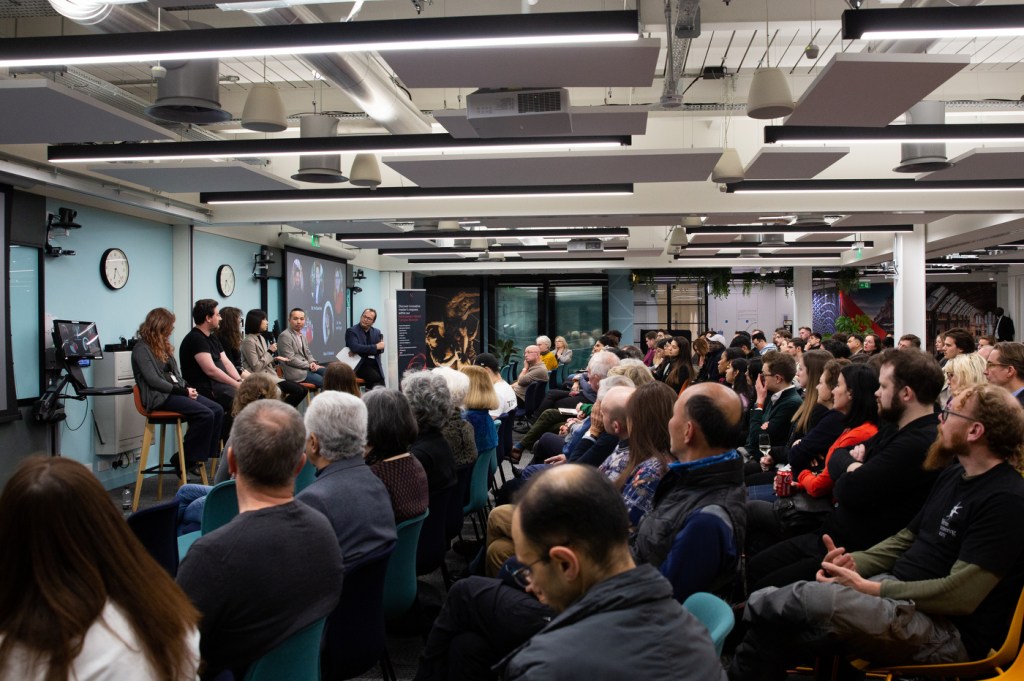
(449, 226)
(728, 169)
(322, 169)
(189, 93)
(264, 109)
(365, 171)
(769, 95)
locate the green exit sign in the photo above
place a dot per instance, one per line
(863, 284)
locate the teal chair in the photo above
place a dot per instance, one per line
(479, 484)
(305, 477)
(400, 583)
(296, 659)
(713, 613)
(221, 506)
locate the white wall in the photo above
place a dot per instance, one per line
(764, 309)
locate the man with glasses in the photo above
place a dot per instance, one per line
(1005, 368)
(774, 415)
(940, 590)
(365, 340)
(880, 485)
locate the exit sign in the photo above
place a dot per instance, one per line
(863, 284)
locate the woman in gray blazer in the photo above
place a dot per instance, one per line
(161, 387)
(258, 356)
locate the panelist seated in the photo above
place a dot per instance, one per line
(293, 352)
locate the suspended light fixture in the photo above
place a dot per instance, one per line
(769, 91)
(729, 168)
(264, 109)
(365, 171)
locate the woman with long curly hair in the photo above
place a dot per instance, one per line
(80, 598)
(162, 387)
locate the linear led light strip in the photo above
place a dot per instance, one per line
(872, 186)
(915, 23)
(409, 194)
(443, 251)
(364, 36)
(919, 134)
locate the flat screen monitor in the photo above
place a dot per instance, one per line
(316, 283)
(77, 340)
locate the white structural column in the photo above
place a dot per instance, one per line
(1014, 303)
(803, 298)
(909, 294)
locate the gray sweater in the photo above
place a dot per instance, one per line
(155, 384)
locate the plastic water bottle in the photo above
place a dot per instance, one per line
(126, 502)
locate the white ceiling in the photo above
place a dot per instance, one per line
(613, 89)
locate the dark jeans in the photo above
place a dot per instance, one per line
(482, 621)
(204, 418)
(224, 395)
(315, 377)
(548, 422)
(292, 392)
(547, 446)
(368, 371)
(554, 399)
(787, 562)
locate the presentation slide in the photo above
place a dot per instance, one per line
(316, 283)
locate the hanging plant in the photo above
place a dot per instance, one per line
(642, 278)
(847, 278)
(718, 281)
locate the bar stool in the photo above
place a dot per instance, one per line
(162, 419)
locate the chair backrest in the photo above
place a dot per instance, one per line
(355, 638)
(137, 394)
(433, 544)
(296, 659)
(486, 463)
(714, 613)
(505, 435)
(400, 583)
(506, 373)
(453, 524)
(221, 506)
(534, 395)
(156, 528)
(305, 477)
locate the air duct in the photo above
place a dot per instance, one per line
(924, 157)
(322, 169)
(189, 93)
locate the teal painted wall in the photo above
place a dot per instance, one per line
(620, 305)
(209, 252)
(373, 296)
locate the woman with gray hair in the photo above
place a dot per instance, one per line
(390, 429)
(457, 432)
(427, 396)
(335, 444)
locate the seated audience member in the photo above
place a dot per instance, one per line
(251, 579)
(695, 532)
(956, 342)
(345, 490)
(632, 352)
(760, 343)
(856, 345)
(676, 371)
(456, 430)
(297, 361)
(813, 426)
(737, 379)
(506, 396)
(533, 371)
(480, 399)
(425, 397)
(229, 333)
(942, 589)
(650, 342)
(204, 364)
(546, 355)
(258, 356)
(563, 353)
(986, 340)
(615, 335)
(939, 348)
(813, 341)
(550, 418)
(777, 401)
(340, 377)
(1005, 368)
(879, 485)
(909, 340)
(582, 387)
(888, 343)
(390, 430)
(162, 387)
(872, 343)
(81, 597)
(571, 540)
(962, 372)
(837, 347)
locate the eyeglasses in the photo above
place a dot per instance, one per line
(524, 575)
(947, 412)
(989, 365)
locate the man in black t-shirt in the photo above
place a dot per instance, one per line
(205, 365)
(941, 590)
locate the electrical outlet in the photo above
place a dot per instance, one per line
(102, 465)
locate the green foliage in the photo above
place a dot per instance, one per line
(718, 279)
(860, 324)
(503, 349)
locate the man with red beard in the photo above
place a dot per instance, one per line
(941, 590)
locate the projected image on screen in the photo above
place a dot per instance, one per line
(317, 285)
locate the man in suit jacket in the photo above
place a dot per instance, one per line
(368, 342)
(774, 415)
(1005, 368)
(294, 354)
(1003, 330)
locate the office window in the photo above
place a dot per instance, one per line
(25, 326)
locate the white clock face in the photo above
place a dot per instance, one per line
(226, 280)
(114, 268)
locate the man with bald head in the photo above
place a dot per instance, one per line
(695, 531)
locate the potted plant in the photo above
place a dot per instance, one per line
(503, 349)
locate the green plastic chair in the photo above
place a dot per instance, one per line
(486, 463)
(400, 583)
(305, 477)
(221, 506)
(713, 613)
(296, 659)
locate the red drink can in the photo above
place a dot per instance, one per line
(784, 483)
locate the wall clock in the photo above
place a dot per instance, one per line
(114, 268)
(226, 280)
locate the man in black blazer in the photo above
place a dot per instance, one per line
(368, 342)
(1003, 330)
(1005, 368)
